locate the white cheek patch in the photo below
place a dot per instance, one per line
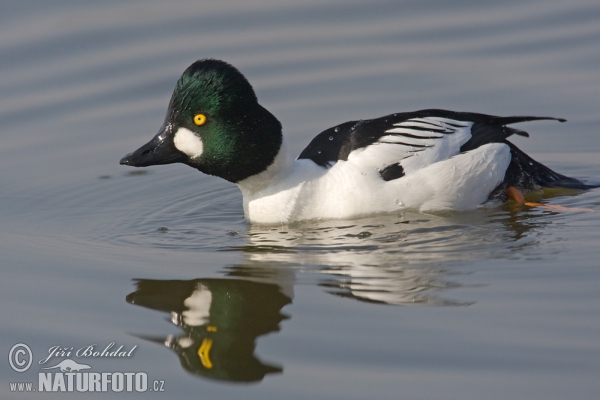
(187, 142)
(198, 304)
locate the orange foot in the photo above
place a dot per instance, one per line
(515, 194)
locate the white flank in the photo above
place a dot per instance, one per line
(301, 190)
(187, 142)
(459, 183)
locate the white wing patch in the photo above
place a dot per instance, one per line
(415, 143)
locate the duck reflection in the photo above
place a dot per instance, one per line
(221, 320)
(404, 259)
(396, 286)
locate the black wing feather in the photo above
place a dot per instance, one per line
(335, 144)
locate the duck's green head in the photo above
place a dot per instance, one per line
(215, 124)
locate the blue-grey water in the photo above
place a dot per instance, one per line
(500, 303)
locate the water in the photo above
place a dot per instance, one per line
(496, 303)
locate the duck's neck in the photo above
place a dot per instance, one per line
(279, 169)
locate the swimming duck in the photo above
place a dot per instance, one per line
(426, 160)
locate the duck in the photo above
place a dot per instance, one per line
(428, 160)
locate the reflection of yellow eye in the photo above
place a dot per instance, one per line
(199, 119)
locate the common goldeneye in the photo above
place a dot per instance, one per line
(426, 160)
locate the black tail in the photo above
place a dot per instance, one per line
(525, 173)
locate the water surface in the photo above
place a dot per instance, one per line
(492, 303)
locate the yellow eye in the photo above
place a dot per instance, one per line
(199, 119)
